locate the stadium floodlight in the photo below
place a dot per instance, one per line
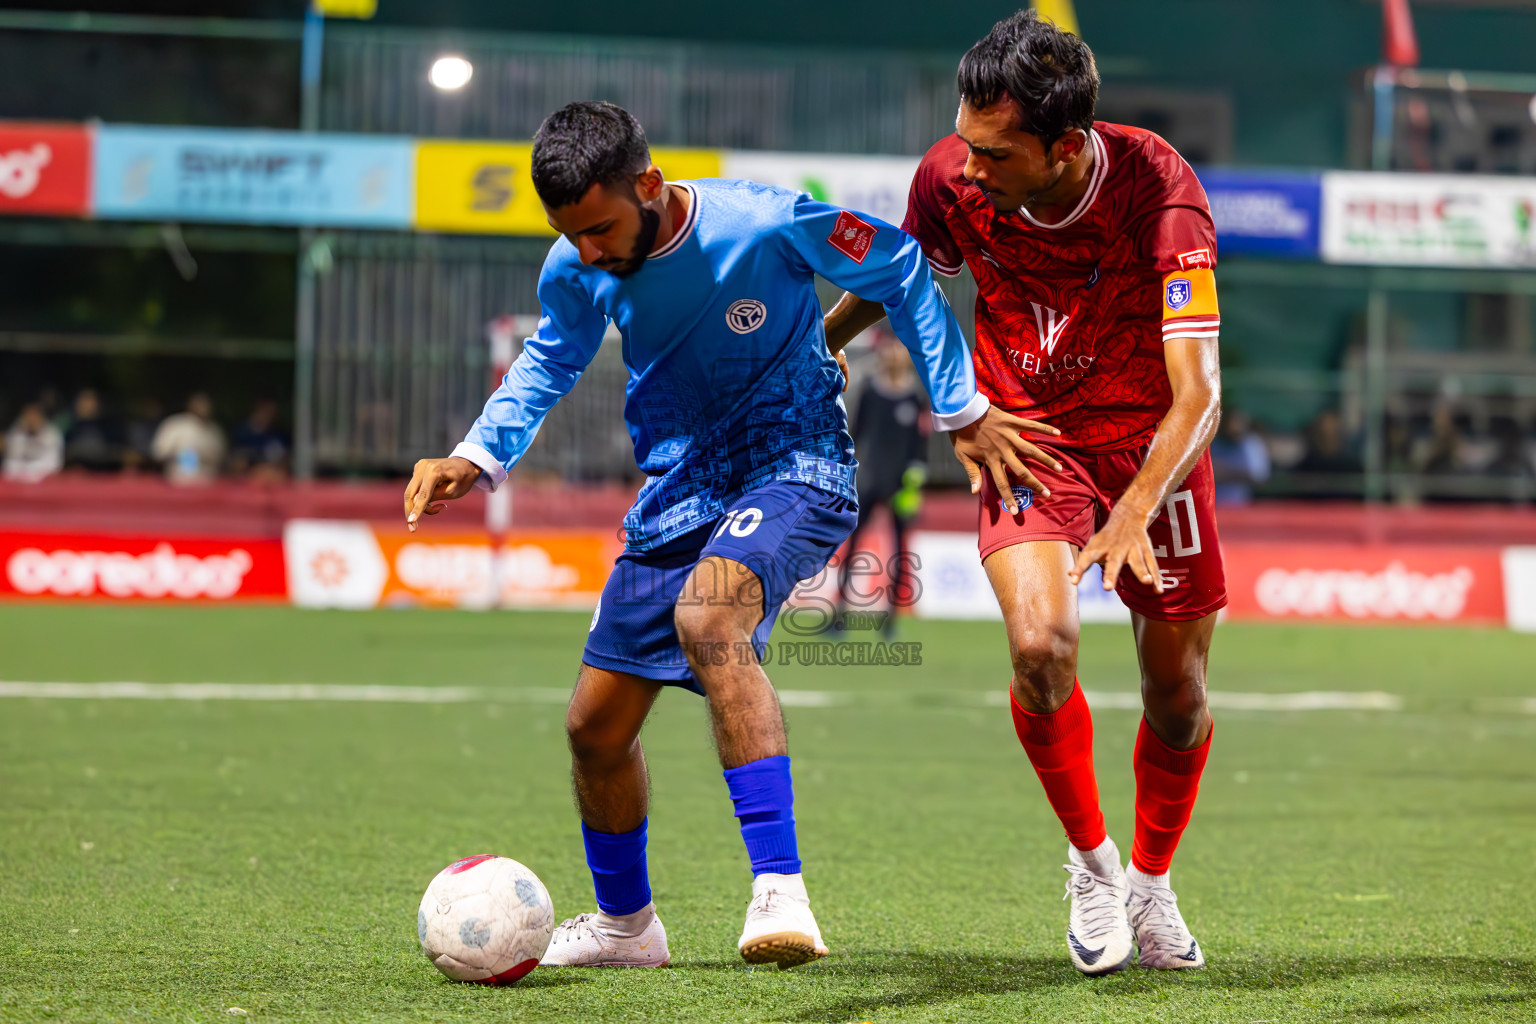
(450, 73)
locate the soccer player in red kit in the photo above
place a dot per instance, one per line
(1093, 251)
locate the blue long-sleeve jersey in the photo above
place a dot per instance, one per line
(730, 382)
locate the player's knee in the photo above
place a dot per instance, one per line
(1044, 666)
(594, 736)
(703, 627)
(1177, 702)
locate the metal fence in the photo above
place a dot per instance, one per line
(686, 94)
(402, 358)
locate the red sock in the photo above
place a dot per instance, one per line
(1167, 781)
(1060, 746)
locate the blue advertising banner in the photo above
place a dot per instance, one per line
(1264, 213)
(253, 177)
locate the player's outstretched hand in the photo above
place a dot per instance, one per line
(1122, 543)
(435, 481)
(995, 442)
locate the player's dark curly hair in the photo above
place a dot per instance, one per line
(586, 144)
(1048, 72)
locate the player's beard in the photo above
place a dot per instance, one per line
(650, 224)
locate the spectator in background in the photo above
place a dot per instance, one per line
(1326, 450)
(92, 441)
(140, 433)
(189, 445)
(1239, 458)
(1510, 460)
(34, 448)
(1328, 456)
(1446, 453)
(889, 440)
(260, 449)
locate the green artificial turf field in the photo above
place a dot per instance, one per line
(167, 860)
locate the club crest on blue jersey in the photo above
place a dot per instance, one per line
(745, 315)
(1179, 293)
(1021, 494)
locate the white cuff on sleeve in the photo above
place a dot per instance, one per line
(492, 472)
(974, 410)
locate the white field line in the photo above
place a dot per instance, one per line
(1312, 700)
(378, 694)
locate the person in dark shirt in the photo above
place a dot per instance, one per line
(890, 440)
(92, 441)
(260, 449)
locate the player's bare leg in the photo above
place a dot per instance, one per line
(1051, 717)
(613, 792)
(1170, 755)
(721, 606)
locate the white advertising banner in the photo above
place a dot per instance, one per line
(1431, 220)
(955, 586)
(1520, 588)
(875, 185)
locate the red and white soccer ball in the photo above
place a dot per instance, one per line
(486, 919)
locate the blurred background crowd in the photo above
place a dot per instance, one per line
(162, 346)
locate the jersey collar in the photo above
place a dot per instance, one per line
(1095, 181)
(687, 228)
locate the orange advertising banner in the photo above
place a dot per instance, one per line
(334, 564)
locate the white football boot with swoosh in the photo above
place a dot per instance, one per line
(597, 940)
(1099, 939)
(1164, 938)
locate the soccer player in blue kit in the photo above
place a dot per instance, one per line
(734, 406)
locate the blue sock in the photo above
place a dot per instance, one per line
(618, 869)
(764, 797)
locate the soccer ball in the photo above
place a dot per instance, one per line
(485, 919)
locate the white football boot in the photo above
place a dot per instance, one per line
(1099, 938)
(1160, 929)
(780, 928)
(597, 940)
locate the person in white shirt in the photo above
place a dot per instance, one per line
(189, 445)
(34, 448)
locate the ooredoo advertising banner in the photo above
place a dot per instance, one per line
(50, 565)
(44, 169)
(253, 177)
(1365, 584)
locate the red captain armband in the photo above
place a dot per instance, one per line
(852, 237)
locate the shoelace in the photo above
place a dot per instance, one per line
(579, 924)
(1097, 898)
(1161, 918)
(763, 901)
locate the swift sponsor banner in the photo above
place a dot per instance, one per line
(484, 187)
(139, 568)
(356, 565)
(44, 169)
(1429, 219)
(253, 177)
(1380, 584)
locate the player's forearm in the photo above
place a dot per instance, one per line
(849, 318)
(1181, 438)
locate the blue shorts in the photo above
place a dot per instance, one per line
(784, 532)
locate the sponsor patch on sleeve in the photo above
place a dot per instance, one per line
(1196, 258)
(852, 237)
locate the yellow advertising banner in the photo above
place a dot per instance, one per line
(485, 188)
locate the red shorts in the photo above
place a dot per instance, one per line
(1183, 535)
